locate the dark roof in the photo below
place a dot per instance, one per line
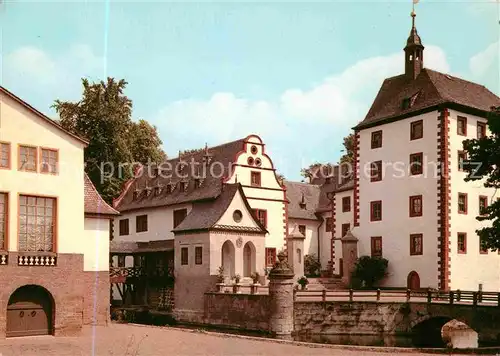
(94, 204)
(298, 193)
(315, 195)
(125, 247)
(40, 115)
(204, 215)
(430, 89)
(221, 157)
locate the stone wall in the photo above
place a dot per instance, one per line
(371, 318)
(346, 318)
(72, 289)
(242, 311)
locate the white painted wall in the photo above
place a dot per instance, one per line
(394, 190)
(470, 269)
(96, 245)
(325, 239)
(342, 218)
(20, 126)
(160, 224)
(271, 198)
(311, 237)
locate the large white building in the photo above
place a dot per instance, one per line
(410, 203)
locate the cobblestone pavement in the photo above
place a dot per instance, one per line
(130, 340)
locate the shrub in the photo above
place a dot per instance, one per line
(255, 277)
(303, 282)
(312, 266)
(220, 275)
(368, 271)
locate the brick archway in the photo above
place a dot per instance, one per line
(30, 312)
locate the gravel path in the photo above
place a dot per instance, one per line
(132, 340)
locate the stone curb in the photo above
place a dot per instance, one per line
(380, 349)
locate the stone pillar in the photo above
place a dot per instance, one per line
(295, 249)
(281, 299)
(349, 256)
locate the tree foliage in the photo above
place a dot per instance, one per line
(368, 271)
(483, 163)
(348, 156)
(103, 117)
(312, 266)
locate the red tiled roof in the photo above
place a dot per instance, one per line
(222, 156)
(94, 204)
(428, 90)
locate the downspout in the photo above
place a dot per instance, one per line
(319, 239)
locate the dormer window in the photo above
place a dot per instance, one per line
(158, 189)
(148, 191)
(302, 203)
(406, 103)
(169, 188)
(184, 186)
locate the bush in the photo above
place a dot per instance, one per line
(368, 271)
(312, 266)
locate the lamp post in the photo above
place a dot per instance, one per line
(331, 198)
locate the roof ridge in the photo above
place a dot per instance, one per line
(42, 115)
(303, 183)
(202, 149)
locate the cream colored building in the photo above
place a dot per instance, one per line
(156, 202)
(54, 226)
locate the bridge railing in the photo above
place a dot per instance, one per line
(426, 296)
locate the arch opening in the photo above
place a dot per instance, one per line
(428, 332)
(249, 260)
(30, 312)
(228, 258)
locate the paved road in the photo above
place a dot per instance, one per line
(129, 340)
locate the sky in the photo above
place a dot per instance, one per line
(298, 73)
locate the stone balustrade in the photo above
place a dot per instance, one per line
(37, 259)
(4, 258)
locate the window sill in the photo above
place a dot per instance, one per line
(36, 253)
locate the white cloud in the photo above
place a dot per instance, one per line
(29, 66)
(340, 101)
(483, 61)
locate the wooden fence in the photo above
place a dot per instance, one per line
(404, 296)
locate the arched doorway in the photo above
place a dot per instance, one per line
(248, 259)
(30, 312)
(413, 281)
(228, 258)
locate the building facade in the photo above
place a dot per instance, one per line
(159, 198)
(54, 228)
(412, 204)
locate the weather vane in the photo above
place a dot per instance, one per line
(413, 7)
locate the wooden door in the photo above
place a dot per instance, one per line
(413, 282)
(29, 312)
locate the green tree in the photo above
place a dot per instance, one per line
(103, 116)
(368, 271)
(312, 266)
(348, 156)
(312, 171)
(483, 162)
